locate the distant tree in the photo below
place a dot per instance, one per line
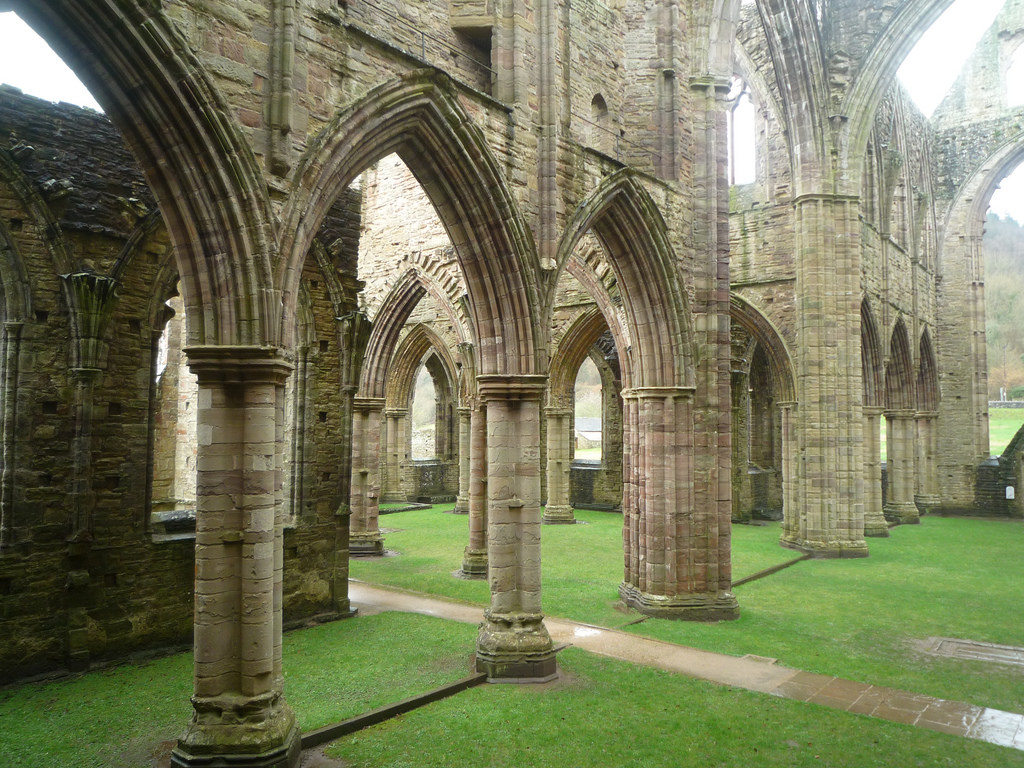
(1004, 291)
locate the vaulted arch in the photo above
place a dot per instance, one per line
(633, 234)
(927, 375)
(768, 338)
(202, 171)
(872, 365)
(573, 348)
(419, 117)
(899, 370)
(420, 342)
(388, 323)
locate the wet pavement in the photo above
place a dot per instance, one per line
(754, 673)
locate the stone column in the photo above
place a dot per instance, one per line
(11, 356)
(829, 517)
(474, 560)
(462, 500)
(364, 528)
(240, 715)
(927, 497)
(742, 495)
(874, 520)
(558, 510)
(901, 428)
(790, 514)
(395, 454)
(674, 563)
(513, 644)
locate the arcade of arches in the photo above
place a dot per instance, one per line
(217, 300)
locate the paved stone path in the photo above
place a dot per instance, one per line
(753, 673)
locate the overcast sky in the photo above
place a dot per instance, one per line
(27, 63)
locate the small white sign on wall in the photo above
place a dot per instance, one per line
(1009, 492)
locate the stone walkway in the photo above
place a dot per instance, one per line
(753, 673)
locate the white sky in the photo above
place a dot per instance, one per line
(26, 62)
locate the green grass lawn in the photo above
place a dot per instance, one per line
(130, 715)
(610, 713)
(860, 619)
(602, 712)
(1003, 424)
(856, 619)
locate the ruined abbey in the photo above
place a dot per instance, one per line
(217, 298)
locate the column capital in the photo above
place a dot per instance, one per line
(237, 364)
(556, 412)
(900, 413)
(873, 410)
(522, 387)
(658, 393)
(368, 403)
(927, 414)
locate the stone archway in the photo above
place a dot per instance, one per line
(900, 412)
(763, 386)
(676, 537)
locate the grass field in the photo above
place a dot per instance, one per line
(860, 619)
(1003, 424)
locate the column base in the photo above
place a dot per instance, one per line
(515, 648)
(902, 512)
(926, 502)
(826, 549)
(875, 525)
(365, 544)
(474, 563)
(238, 731)
(558, 515)
(707, 607)
(461, 505)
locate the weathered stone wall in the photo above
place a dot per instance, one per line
(109, 581)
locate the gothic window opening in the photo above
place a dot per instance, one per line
(175, 390)
(588, 399)
(742, 134)
(424, 416)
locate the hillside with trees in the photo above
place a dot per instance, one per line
(1004, 302)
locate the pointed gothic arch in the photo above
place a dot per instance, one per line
(418, 117)
(630, 228)
(202, 171)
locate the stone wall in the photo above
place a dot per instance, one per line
(87, 573)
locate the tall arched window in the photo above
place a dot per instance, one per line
(424, 416)
(588, 406)
(742, 136)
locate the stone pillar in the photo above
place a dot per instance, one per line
(790, 514)
(11, 356)
(874, 520)
(396, 453)
(474, 560)
(240, 715)
(742, 496)
(462, 500)
(901, 428)
(829, 517)
(673, 558)
(927, 497)
(364, 528)
(513, 644)
(558, 510)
